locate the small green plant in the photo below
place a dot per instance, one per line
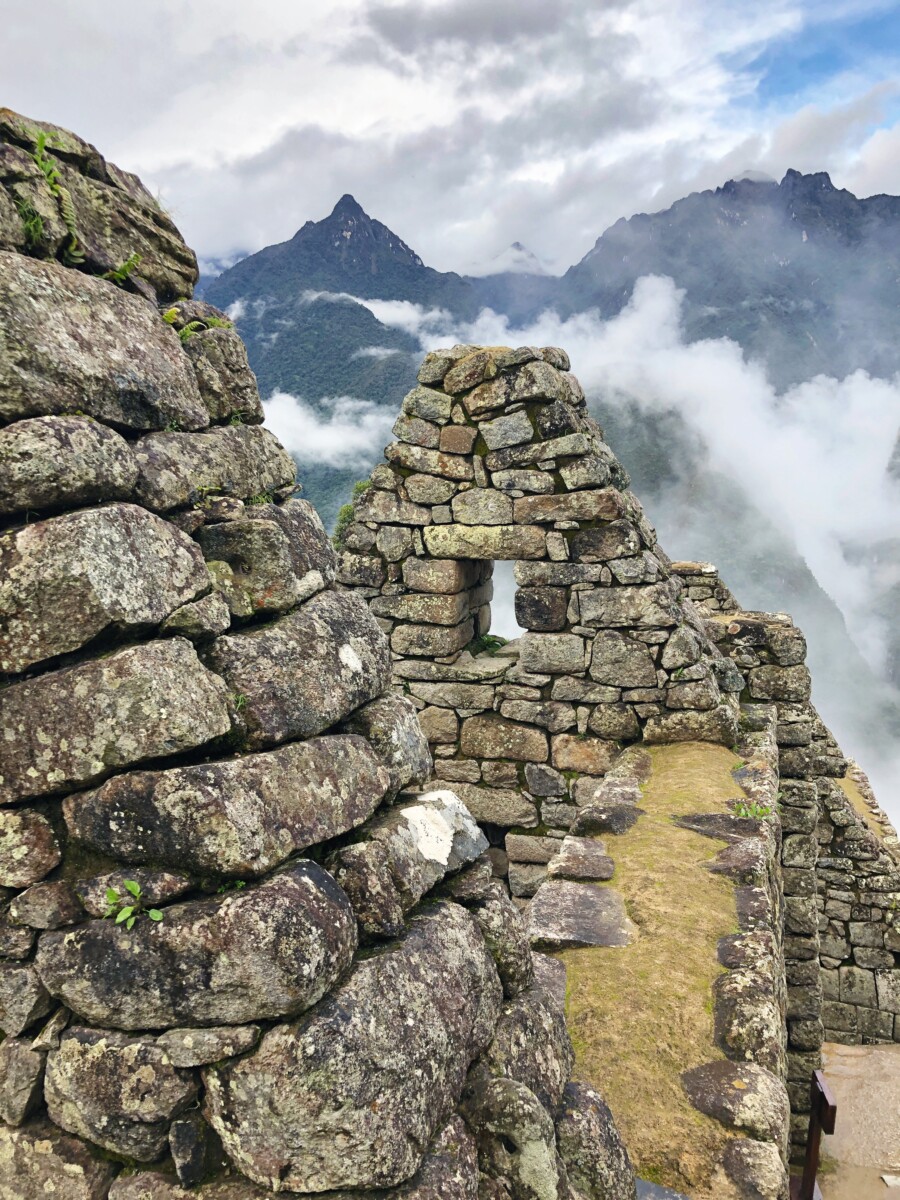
(170, 316)
(126, 909)
(240, 701)
(488, 643)
(749, 808)
(172, 427)
(236, 419)
(72, 253)
(233, 885)
(32, 224)
(261, 498)
(122, 272)
(188, 331)
(345, 512)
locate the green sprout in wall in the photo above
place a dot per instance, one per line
(126, 909)
(73, 255)
(345, 512)
(122, 272)
(745, 808)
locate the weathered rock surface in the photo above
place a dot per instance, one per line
(277, 556)
(69, 728)
(55, 462)
(531, 1045)
(582, 859)
(267, 952)
(564, 914)
(227, 385)
(157, 887)
(596, 1160)
(407, 851)
(391, 726)
(21, 1080)
(28, 847)
(245, 461)
(66, 580)
(117, 1091)
(506, 936)
(197, 1047)
(23, 998)
(347, 1118)
(39, 1160)
(740, 1095)
(306, 671)
(130, 371)
(159, 1185)
(516, 1138)
(238, 818)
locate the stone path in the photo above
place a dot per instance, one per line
(866, 1141)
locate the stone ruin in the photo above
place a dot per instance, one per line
(237, 957)
(251, 938)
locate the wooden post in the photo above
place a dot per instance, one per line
(822, 1117)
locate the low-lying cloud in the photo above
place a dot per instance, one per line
(811, 462)
(346, 435)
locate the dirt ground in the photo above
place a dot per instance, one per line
(641, 1015)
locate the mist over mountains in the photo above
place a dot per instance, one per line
(739, 348)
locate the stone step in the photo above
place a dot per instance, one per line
(566, 915)
(581, 859)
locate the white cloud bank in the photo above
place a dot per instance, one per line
(349, 434)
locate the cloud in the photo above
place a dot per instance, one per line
(345, 436)
(805, 474)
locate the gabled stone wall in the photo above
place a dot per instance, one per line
(498, 458)
(234, 954)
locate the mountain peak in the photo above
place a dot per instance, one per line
(348, 206)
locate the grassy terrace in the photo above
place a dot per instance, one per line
(641, 1015)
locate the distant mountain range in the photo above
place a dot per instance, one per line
(804, 276)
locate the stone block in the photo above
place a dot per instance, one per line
(143, 702)
(429, 489)
(615, 722)
(28, 847)
(553, 653)
(472, 696)
(387, 508)
(428, 404)
(587, 755)
(63, 462)
(131, 372)
(526, 878)
(433, 641)
(541, 608)
(458, 439)
(548, 714)
(716, 725)
(435, 609)
(439, 725)
(888, 988)
(482, 506)
(38, 1156)
(779, 683)
(360, 570)
(522, 848)
(485, 541)
(495, 737)
(430, 462)
(236, 460)
(643, 607)
(621, 661)
(416, 431)
(606, 504)
(509, 430)
(544, 781)
(524, 480)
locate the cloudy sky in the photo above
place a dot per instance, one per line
(462, 124)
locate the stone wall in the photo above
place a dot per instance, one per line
(840, 863)
(498, 458)
(234, 954)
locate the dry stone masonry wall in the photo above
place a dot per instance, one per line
(497, 457)
(841, 866)
(236, 957)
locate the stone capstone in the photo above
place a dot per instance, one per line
(55, 462)
(347, 1117)
(121, 364)
(72, 727)
(117, 1091)
(66, 580)
(266, 952)
(306, 671)
(565, 914)
(238, 818)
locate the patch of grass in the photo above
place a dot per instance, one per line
(749, 808)
(488, 643)
(642, 1014)
(850, 788)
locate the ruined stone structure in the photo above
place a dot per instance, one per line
(841, 866)
(498, 458)
(236, 958)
